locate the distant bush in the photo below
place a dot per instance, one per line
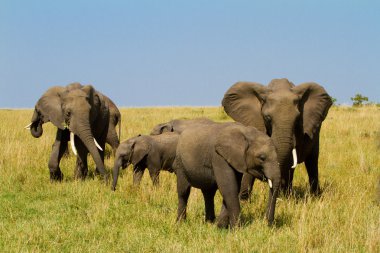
(359, 100)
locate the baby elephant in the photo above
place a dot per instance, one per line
(144, 151)
(215, 158)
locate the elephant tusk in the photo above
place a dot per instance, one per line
(294, 153)
(270, 183)
(28, 126)
(97, 144)
(72, 143)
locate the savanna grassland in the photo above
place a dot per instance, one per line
(86, 216)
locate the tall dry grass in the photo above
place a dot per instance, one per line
(76, 216)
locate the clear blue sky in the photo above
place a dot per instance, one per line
(154, 53)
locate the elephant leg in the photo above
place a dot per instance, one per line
(287, 187)
(183, 190)
(246, 186)
(223, 219)
(155, 176)
(58, 150)
(311, 163)
(137, 176)
(81, 169)
(208, 196)
(229, 187)
(287, 181)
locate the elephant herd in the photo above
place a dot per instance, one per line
(277, 126)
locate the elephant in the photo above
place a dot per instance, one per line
(178, 125)
(291, 115)
(215, 158)
(155, 152)
(81, 115)
(113, 139)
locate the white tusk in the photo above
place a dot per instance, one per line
(97, 144)
(28, 126)
(270, 183)
(294, 153)
(72, 143)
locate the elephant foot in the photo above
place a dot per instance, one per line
(56, 176)
(210, 219)
(106, 178)
(223, 222)
(287, 190)
(80, 175)
(316, 191)
(181, 216)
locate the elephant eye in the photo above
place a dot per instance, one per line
(267, 118)
(67, 114)
(262, 157)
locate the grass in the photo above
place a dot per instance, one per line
(76, 216)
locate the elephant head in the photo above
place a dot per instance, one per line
(79, 109)
(133, 151)
(248, 150)
(49, 109)
(291, 115)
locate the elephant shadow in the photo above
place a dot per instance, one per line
(281, 219)
(299, 194)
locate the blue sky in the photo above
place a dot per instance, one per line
(164, 53)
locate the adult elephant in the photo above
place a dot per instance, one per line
(81, 115)
(291, 115)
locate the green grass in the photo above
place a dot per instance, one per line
(76, 216)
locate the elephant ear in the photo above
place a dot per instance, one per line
(140, 149)
(161, 128)
(167, 127)
(95, 99)
(243, 102)
(92, 95)
(50, 106)
(232, 145)
(316, 103)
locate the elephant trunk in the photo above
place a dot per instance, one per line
(273, 194)
(272, 172)
(115, 172)
(36, 125)
(112, 138)
(285, 144)
(87, 138)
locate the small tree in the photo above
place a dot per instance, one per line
(358, 99)
(333, 100)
